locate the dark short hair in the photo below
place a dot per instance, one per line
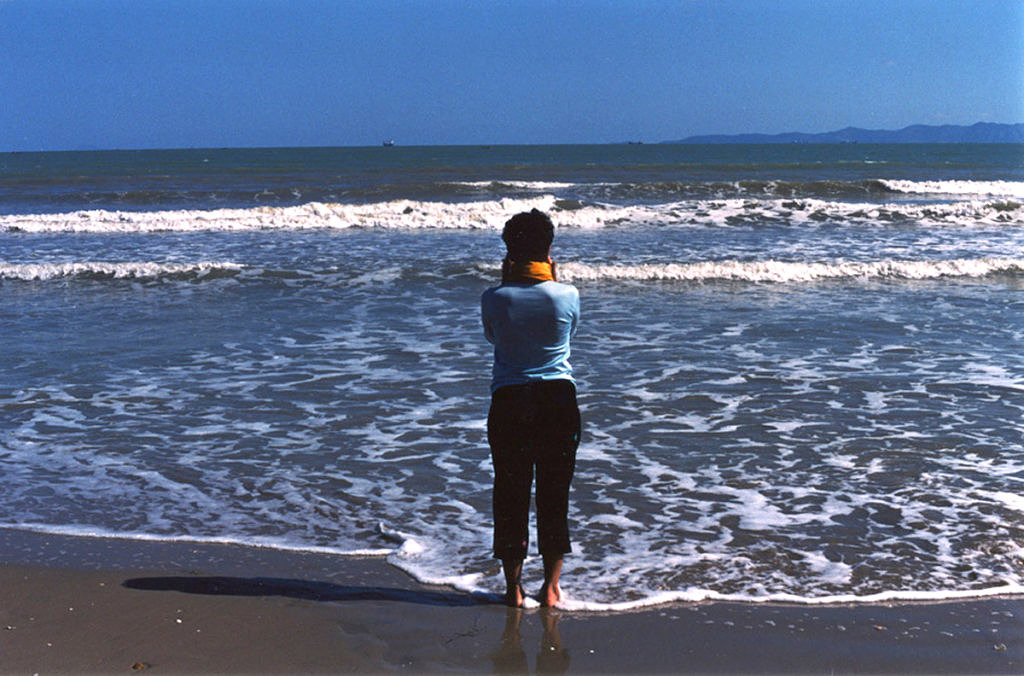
(528, 236)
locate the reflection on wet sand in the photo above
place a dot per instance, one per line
(510, 658)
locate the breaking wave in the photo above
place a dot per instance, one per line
(768, 271)
(782, 272)
(972, 188)
(650, 189)
(102, 270)
(491, 215)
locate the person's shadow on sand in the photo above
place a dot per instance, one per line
(304, 589)
(507, 658)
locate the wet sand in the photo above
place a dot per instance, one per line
(88, 605)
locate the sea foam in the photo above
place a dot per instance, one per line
(972, 188)
(125, 270)
(783, 271)
(278, 544)
(492, 214)
(770, 271)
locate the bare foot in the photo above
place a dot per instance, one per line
(515, 597)
(550, 595)
(550, 592)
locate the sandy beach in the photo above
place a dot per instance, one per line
(88, 605)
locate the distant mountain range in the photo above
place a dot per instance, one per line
(982, 132)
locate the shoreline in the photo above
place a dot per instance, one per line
(88, 605)
(107, 550)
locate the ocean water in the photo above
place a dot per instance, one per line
(800, 367)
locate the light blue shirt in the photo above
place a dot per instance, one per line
(530, 325)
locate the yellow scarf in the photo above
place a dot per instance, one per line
(530, 271)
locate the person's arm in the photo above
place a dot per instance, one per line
(488, 332)
(575, 314)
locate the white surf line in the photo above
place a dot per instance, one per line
(258, 542)
(705, 595)
(783, 271)
(122, 270)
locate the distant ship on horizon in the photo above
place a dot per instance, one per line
(388, 143)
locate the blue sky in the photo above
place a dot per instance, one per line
(80, 74)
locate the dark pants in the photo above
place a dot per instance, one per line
(536, 425)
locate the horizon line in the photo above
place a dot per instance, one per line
(508, 145)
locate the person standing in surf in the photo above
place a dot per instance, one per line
(533, 425)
